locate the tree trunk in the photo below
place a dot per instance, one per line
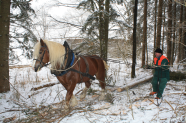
(4, 50)
(174, 34)
(159, 24)
(144, 33)
(134, 40)
(184, 34)
(180, 34)
(169, 36)
(163, 37)
(107, 4)
(155, 27)
(101, 29)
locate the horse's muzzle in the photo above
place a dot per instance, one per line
(37, 67)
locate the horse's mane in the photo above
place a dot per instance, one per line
(56, 52)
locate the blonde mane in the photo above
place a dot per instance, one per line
(56, 52)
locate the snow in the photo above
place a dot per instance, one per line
(130, 106)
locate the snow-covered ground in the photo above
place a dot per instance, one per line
(23, 103)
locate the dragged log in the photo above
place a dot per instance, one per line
(129, 86)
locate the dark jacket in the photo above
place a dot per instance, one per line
(162, 71)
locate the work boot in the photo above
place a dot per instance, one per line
(152, 93)
(157, 98)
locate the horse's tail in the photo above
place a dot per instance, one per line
(106, 66)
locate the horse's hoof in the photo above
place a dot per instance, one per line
(73, 101)
(101, 98)
(74, 104)
(83, 94)
(82, 97)
(66, 107)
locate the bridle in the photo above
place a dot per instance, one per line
(42, 64)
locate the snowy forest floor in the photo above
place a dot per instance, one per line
(28, 102)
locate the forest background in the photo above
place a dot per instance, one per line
(125, 29)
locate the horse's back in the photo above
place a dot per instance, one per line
(96, 61)
(101, 72)
(98, 64)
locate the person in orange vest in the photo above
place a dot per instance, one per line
(161, 73)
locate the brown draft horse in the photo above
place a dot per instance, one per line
(48, 51)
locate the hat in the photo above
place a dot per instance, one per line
(158, 50)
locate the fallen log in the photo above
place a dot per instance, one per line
(184, 93)
(43, 86)
(129, 86)
(19, 66)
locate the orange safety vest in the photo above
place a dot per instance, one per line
(161, 59)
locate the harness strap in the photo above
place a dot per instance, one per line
(83, 74)
(78, 71)
(87, 65)
(81, 78)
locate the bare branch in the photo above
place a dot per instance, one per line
(74, 25)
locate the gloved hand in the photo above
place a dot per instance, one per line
(148, 67)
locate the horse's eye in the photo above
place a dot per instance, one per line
(40, 52)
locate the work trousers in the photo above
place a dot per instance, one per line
(158, 85)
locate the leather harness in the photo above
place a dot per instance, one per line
(69, 60)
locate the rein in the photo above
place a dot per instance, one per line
(41, 61)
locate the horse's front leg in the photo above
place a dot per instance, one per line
(69, 81)
(71, 100)
(68, 97)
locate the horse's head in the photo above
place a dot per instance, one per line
(41, 55)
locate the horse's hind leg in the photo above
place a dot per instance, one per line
(100, 75)
(83, 94)
(102, 95)
(102, 84)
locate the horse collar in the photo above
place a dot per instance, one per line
(72, 58)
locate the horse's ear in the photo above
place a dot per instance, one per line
(42, 42)
(66, 45)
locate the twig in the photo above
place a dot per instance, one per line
(78, 92)
(20, 104)
(14, 87)
(57, 95)
(11, 110)
(29, 96)
(171, 107)
(130, 102)
(17, 90)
